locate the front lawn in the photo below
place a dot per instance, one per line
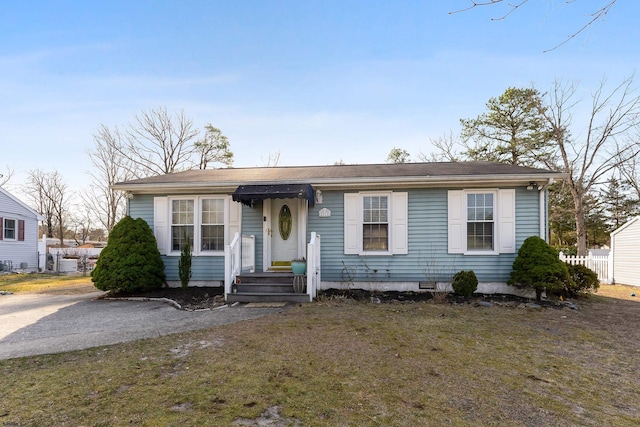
(343, 363)
(46, 283)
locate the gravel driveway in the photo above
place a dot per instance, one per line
(32, 324)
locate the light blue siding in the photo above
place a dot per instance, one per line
(252, 220)
(207, 268)
(427, 258)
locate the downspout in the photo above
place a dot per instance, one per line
(544, 210)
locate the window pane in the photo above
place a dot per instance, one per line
(213, 211)
(182, 212)
(178, 234)
(479, 235)
(375, 237)
(375, 223)
(9, 228)
(212, 237)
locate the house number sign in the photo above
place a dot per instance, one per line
(284, 222)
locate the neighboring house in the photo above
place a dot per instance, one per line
(625, 265)
(18, 234)
(403, 227)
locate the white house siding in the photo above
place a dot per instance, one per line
(625, 253)
(19, 252)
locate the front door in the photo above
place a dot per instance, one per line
(284, 231)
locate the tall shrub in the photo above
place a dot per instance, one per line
(184, 263)
(538, 267)
(131, 260)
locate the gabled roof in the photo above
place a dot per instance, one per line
(626, 225)
(346, 176)
(22, 204)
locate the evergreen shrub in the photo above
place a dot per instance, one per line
(184, 263)
(583, 280)
(131, 261)
(465, 283)
(538, 267)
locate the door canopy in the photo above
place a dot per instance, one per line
(247, 194)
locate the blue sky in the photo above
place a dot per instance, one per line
(317, 81)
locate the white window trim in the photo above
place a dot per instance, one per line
(496, 227)
(503, 219)
(397, 211)
(197, 223)
(15, 229)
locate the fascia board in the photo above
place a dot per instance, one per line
(340, 183)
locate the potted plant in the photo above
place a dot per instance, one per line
(299, 266)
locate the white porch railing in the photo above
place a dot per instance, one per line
(313, 265)
(597, 263)
(232, 263)
(248, 253)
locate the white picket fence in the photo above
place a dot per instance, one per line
(598, 263)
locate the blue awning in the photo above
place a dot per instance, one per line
(247, 194)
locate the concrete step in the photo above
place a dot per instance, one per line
(265, 288)
(270, 278)
(267, 297)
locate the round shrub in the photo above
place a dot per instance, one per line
(464, 283)
(538, 267)
(130, 261)
(583, 281)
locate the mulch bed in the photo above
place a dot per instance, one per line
(201, 298)
(191, 298)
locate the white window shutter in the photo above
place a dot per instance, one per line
(351, 224)
(507, 221)
(234, 220)
(456, 221)
(161, 223)
(400, 221)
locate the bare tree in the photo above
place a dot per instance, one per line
(606, 142)
(158, 143)
(213, 148)
(511, 7)
(80, 226)
(273, 160)
(5, 177)
(447, 150)
(110, 166)
(630, 173)
(49, 196)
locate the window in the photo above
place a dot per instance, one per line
(209, 222)
(212, 225)
(181, 223)
(480, 221)
(9, 229)
(376, 223)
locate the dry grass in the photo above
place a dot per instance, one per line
(46, 284)
(338, 363)
(621, 292)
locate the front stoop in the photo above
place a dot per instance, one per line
(266, 287)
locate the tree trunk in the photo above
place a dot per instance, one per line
(581, 229)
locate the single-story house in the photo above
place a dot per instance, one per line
(624, 259)
(18, 234)
(402, 227)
